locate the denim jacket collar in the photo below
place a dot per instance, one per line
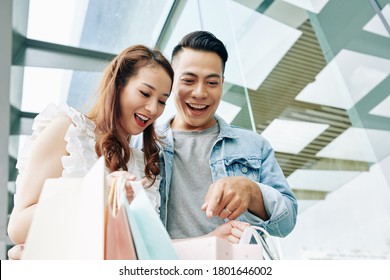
(225, 130)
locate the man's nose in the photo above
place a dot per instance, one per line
(200, 91)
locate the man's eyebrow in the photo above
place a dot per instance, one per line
(188, 73)
(212, 75)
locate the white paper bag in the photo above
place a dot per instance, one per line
(68, 222)
(216, 248)
(264, 239)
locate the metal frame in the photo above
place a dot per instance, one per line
(5, 78)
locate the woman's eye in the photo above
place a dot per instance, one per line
(162, 102)
(145, 94)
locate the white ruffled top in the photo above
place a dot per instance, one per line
(80, 139)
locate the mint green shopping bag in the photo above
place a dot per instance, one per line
(152, 241)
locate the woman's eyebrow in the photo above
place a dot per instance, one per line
(153, 88)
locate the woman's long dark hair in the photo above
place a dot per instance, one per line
(112, 139)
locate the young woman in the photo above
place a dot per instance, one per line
(65, 143)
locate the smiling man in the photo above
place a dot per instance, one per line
(213, 172)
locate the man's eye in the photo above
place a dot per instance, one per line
(213, 83)
(187, 81)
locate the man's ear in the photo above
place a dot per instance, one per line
(223, 79)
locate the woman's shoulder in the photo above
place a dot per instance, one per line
(78, 133)
(53, 117)
(59, 114)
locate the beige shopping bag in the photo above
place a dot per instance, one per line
(263, 238)
(69, 218)
(119, 243)
(255, 244)
(216, 248)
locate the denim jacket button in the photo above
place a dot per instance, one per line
(244, 169)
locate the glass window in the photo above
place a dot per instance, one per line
(97, 24)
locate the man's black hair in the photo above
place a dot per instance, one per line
(202, 41)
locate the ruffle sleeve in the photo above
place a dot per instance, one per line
(80, 140)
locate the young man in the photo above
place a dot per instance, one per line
(208, 165)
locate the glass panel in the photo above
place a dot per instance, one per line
(302, 134)
(42, 86)
(375, 25)
(97, 24)
(237, 96)
(250, 60)
(58, 22)
(355, 81)
(83, 90)
(348, 78)
(314, 6)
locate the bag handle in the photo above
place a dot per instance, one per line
(261, 239)
(117, 190)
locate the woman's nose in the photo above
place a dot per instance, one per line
(152, 107)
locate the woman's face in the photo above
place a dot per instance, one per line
(143, 99)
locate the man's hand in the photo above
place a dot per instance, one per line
(229, 197)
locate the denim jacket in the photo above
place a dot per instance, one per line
(240, 152)
(237, 152)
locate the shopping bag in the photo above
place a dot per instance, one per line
(216, 248)
(252, 246)
(152, 241)
(263, 238)
(68, 222)
(118, 238)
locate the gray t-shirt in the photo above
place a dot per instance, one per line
(191, 178)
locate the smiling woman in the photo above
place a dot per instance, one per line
(66, 143)
(143, 99)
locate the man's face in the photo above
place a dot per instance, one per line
(197, 89)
